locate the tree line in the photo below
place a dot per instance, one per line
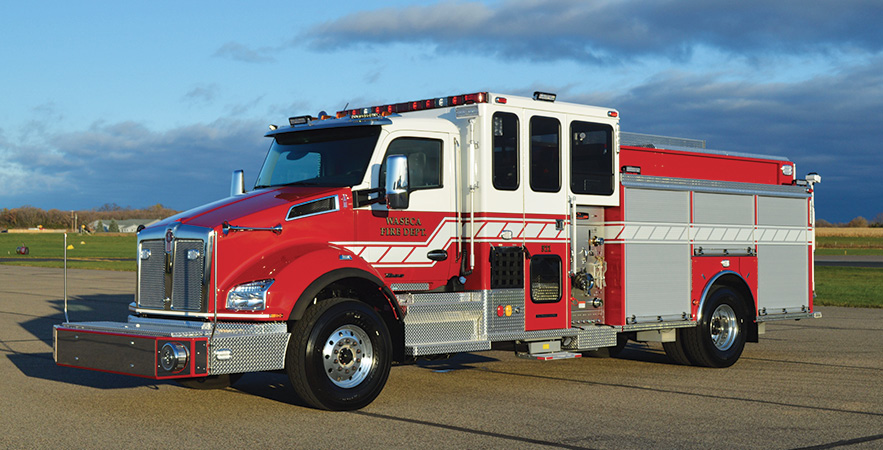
(858, 222)
(31, 217)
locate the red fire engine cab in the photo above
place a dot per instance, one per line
(461, 224)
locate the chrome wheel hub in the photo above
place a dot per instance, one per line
(348, 356)
(724, 327)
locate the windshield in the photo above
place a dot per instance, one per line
(332, 157)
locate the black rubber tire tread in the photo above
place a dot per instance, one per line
(303, 362)
(210, 382)
(675, 350)
(699, 348)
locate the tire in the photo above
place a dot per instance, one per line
(719, 337)
(210, 382)
(339, 355)
(675, 350)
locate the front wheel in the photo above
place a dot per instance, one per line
(719, 337)
(339, 355)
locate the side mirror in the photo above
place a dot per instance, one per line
(237, 185)
(397, 182)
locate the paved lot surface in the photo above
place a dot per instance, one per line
(807, 384)
(849, 260)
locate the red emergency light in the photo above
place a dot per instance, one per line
(419, 105)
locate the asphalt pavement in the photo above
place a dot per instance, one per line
(810, 384)
(849, 260)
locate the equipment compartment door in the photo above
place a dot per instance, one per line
(545, 223)
(544, 305)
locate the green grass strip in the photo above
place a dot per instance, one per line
(860, 287)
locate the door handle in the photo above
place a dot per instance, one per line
(437, 255)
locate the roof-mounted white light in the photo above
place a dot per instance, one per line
(544, 96)
(299, 120)
(787, 170)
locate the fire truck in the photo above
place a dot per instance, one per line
(461, 224)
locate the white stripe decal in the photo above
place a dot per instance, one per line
(413, 253)
(703, 234)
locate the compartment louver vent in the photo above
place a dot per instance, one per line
(320, 206)
(507, 267)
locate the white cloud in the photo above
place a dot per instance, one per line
(243, 53)
(827, 124)
(612, 32)
(129, 164)
(202, 94)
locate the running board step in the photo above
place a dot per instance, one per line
(549, 356)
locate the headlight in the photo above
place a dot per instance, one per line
(249, 296)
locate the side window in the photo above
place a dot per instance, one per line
(505, 155)
(545, 154)
(424, 161)
(545, 278)
(591, 158)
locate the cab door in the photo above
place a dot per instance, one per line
(545, 223)
(413, 248)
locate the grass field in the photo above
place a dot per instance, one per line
(850, 232)
(106, 251)
(849, 286)
(849, 241)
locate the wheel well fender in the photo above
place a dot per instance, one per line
(362, 286)
(736, 282)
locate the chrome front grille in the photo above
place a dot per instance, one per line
(151, 276)
(188, 275)
(174, 281)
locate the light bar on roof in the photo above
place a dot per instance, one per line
(433, 103)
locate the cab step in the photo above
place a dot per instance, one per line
(549, 356)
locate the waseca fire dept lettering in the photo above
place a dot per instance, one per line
(404, 226)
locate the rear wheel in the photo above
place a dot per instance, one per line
(719, 337)
(339, 355)
(675, 350)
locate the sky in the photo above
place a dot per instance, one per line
(158, 102)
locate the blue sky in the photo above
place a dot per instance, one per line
(157, 102)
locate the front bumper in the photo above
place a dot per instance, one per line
(136, 347)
